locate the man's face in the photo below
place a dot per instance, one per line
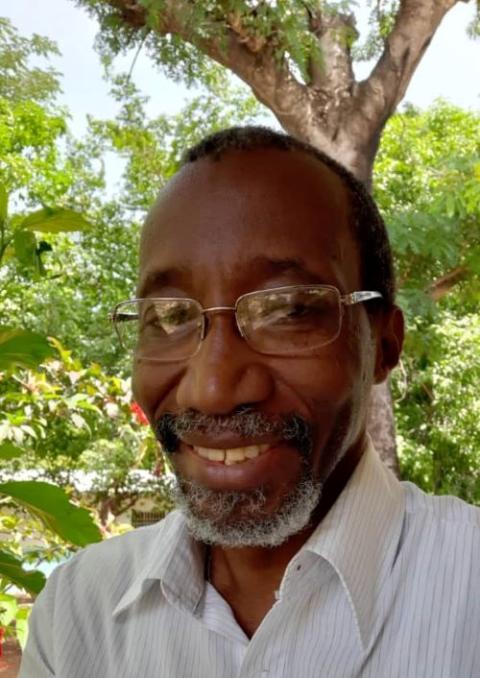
(251, 221)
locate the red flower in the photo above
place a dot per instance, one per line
(139, 413)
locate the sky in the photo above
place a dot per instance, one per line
(449, 69)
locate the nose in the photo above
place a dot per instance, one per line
(225, 373)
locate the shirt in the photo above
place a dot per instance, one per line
(387, 585)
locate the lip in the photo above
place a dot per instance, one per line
(276, 465)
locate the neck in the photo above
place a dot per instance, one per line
(240, 567)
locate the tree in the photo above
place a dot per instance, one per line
(297, 58)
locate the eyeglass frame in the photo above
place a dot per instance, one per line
(349, 299)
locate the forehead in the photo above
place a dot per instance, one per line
(220, 218)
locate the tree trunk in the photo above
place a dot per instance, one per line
(381, 426)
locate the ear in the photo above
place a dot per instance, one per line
(390, 328)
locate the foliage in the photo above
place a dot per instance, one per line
(21, 348)
(428, 183)
(73, 524)
(284, 23)
(25, 126)
(85, 276)
(152, 149)
(48, 503)
(64, 414)
(437, 415)
(31, 167)
(19, 81)
(287, 26)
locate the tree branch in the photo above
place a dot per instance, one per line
(250, 57)
(442, 286)
(333, 112)
(335, 33)
(413, 30)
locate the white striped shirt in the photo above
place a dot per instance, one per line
(388, 585)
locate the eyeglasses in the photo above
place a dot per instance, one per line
(284, 321)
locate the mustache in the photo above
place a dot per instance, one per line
(245, 423)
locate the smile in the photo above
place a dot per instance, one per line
(231, 456)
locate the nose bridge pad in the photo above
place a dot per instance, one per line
(205, 325)
(239, 327)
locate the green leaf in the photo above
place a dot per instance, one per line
(11, 569)
(54, 220)
(21, 625)
(25, 244)
(8, 608)
(51, 505)
(9, 451)
(3, 203)
(22, 348)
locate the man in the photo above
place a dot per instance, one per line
(264, 315)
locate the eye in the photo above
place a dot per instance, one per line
(299, 310)
(167, 317)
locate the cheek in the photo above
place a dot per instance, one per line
(341, 375)
(151, 384)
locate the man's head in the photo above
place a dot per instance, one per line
(252, 210)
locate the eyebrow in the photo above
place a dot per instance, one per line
(270, 266)
(160, 278)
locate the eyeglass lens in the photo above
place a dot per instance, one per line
(289, 321)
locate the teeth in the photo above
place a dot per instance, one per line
(216, 455)
(253, 451)
(211, 454)
(235, 455)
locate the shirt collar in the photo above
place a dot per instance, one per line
(359, 537)
(176, 561)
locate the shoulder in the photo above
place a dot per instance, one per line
(443, 531)
(447, 511)
(115, 563)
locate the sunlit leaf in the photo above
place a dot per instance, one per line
(8, 608)
(54, 220)
(51, 505)
(11, 568)
(21, 625)
(25, 245)
(9, 451)
(22, 348)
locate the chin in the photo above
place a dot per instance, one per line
(234, 519)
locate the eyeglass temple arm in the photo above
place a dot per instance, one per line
(358, 297)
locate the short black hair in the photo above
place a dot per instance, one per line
(369, 228)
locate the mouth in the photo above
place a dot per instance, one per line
(231, 456)
(230, 466)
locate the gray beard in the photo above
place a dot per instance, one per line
(238, 519)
